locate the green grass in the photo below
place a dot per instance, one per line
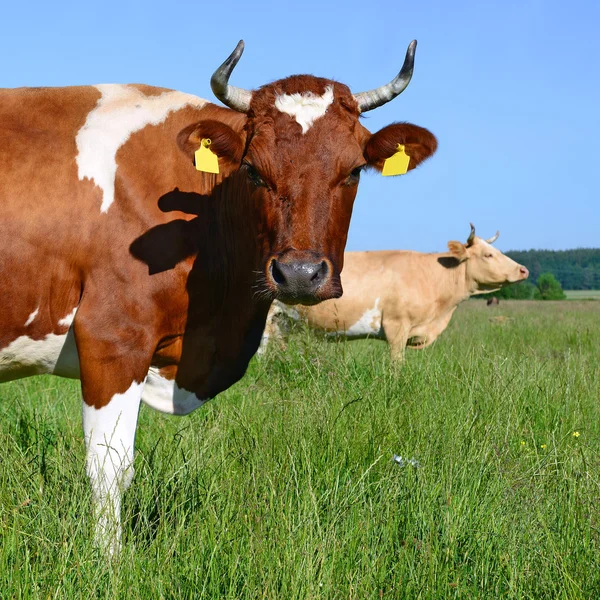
(583, 294)
(284, 487)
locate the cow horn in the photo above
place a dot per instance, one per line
(385, 93)
(234, 97)
(493, 238)
(471, 237)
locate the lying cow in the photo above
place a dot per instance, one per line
(141, 254)
(404, 297)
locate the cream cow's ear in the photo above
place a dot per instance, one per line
(458, 250)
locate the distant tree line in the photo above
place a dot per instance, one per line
(523, 290)
(547, 287)
(551, 271)
(577, 269)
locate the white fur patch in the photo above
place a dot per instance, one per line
(66, 321)
(54, 354)
(110, 438)
(368, 324)
(32, 317)
(305, 108)
(110, 430)
(166, 396)
(121, 111)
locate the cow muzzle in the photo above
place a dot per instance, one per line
(519, 274)
(303, 278)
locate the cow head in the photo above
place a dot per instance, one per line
(301, 151)
(487, 268)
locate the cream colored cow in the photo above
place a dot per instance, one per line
(404, 297)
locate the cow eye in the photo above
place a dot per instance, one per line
(254, 177)
(488, 255)
(354, 176)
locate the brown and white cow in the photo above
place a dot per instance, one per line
(406, 298)
(125, 266)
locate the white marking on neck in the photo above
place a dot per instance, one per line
(121, 111)
(32, 316)
(305, 108)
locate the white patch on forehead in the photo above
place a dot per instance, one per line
(32, 316)
(368, 324)
(305, 108)
(166, 396)
(121, 111)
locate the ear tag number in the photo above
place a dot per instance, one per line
(397, 164)
(206, 160)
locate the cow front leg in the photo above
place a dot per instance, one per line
(113, 373)
(272, 332)
(110, 438)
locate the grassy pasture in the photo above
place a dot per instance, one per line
(285, 487)
(583, 294)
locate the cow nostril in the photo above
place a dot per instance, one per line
(277, 274)
(320, 273)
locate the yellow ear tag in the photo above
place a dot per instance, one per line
(206, 159)
(397, 164)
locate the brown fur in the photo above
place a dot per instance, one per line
(175, 274)
(418, 143)
(225, 142)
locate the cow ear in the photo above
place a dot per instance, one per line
(458, 250)
(224, 141)
(419, 144)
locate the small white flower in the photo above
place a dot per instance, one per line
(402, 462)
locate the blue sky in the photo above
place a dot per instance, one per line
(511, 89)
